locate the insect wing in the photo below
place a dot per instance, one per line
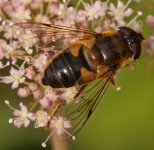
(48, 35)
(91, 97)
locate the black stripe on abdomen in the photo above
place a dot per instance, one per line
(65, 70)
(50, 77)
(75, 63)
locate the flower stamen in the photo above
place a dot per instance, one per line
(127, 4)
(47, 139)
(8, 104)
(73, 137)
(139, 13)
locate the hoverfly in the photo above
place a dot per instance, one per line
(92, 57)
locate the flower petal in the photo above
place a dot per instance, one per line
(26, 123)
(15, 84)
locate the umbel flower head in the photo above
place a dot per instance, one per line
(25, 73)
(60, 126)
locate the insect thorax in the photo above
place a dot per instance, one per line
(110, 50)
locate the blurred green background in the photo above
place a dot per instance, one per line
(124, 120)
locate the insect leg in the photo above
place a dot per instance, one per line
(53, 113)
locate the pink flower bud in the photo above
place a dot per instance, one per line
(37, 94)
(38, 78)
(32, 86)
(23, 92)
(150, 21)
(30, 73)
(45, 103)
(8, 8)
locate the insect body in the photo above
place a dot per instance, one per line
(92, 57)
(89, 60)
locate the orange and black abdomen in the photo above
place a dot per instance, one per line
(65, 69)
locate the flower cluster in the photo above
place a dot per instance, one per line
(26, 72)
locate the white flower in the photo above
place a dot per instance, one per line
(21, 116)
(120, 11)
(59, 125)
(11, 49)
(40, 62)
(7, 50)
(41, 118)
(96, 10)
(68, 94)
(67, 16)
(21, 14)
(16, 77)
(8, 34)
